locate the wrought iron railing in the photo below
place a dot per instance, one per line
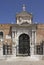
(38, 50)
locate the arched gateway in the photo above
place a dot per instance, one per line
(24, 44)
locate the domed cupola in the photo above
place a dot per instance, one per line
(24, 17)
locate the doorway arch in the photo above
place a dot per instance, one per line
(24, 44)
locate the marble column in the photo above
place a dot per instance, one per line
(1, 51)
(33, 43)
(14, 44)
(14, 50)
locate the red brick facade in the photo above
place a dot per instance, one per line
(7, 30)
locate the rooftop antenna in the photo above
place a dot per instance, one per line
(24, 7)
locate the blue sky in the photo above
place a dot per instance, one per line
(9, 8)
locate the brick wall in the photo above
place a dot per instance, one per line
(40, 33)
(5, 28)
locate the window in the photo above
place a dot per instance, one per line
(1, 35)
(7, 50)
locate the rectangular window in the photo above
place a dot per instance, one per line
(1, 36)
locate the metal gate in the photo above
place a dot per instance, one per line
(24, 45)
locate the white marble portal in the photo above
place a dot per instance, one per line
(29, 32)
